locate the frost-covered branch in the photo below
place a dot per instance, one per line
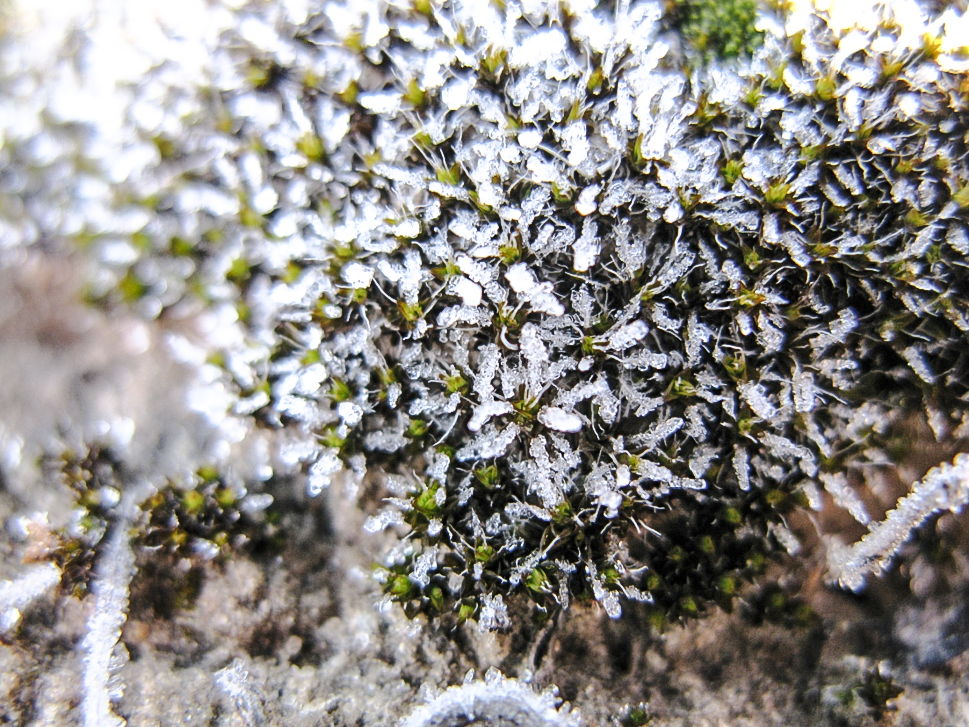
(102, 654)
(99, 648)
(944, 488)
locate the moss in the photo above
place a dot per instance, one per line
(717, 29)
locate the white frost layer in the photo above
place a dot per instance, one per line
(496, 701)
(944, 488)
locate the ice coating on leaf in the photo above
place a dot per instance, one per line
(607, 598)
(488, 359)
(350, 412)
(538, 48)
(357, 275)
(560, 420)
(540, 296)
(521, 278)
(741, 466)
(756, 397)
(657, 433)
(488, 444)
(381, 102)
(627, 336)
(697, 334)
(784, 449)
(804, 390)
(530, 138)
(322, 471)
(383, 520)
(467, 290)
(916, 359)
(786, 538)
(586, 203)
(535, 353)
(486, 411)
(494, 613)
(586, 248)
(456, 314)
(455, 93)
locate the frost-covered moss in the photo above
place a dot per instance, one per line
(592, 322)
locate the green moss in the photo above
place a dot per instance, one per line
(776, 194)
(732, 171)
(718, 29)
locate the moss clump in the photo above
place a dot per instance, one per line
(718, 29)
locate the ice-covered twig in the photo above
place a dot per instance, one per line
(16, 595)
(944, 488)
(100, 647)
(497, 701)
(235, 684)
(104, 629)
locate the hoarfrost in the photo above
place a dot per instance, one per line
(944, 488)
